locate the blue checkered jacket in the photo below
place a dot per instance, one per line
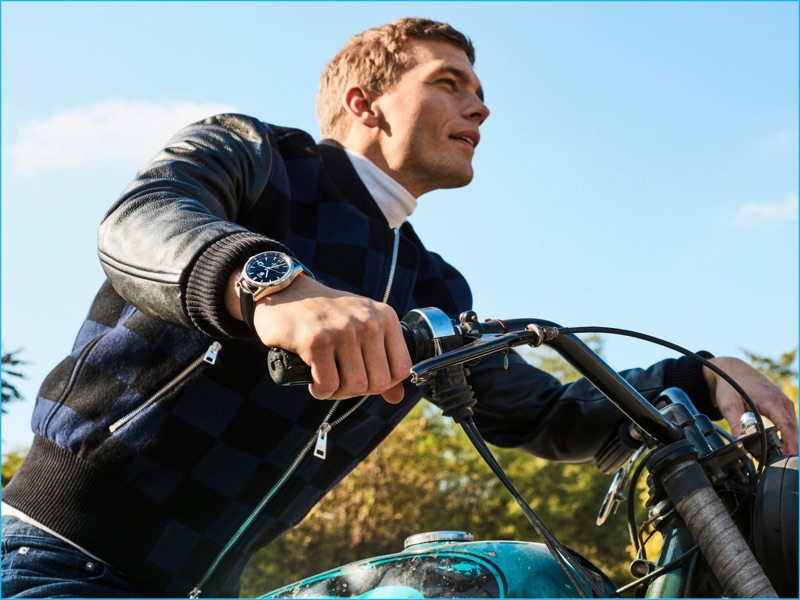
(161, 433)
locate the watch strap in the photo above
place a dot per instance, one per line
(247, 305)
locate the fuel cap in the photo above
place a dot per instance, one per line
(437, 536)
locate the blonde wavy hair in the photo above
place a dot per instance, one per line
(375, 59)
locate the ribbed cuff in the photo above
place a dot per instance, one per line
(687, 374)
(208, 280)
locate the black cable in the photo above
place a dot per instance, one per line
(557, 549)
(705, 362)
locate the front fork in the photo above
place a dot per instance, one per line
(676, 469)
(677, 475)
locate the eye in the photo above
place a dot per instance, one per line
(449, 82)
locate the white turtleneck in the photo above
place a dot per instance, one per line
(395, 201)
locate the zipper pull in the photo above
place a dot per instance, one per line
(321, 449)
(211, 353)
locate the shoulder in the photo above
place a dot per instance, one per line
(235, 127)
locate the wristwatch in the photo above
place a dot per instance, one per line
(264, 274)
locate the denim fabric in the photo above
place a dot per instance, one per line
(38, 565)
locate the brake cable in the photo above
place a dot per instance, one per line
(564, 557)
(453, 394)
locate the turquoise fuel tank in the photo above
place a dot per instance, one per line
(447, 564)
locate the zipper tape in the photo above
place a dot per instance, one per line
(210, 357)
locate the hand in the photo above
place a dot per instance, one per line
(770, 401)
(353, 345)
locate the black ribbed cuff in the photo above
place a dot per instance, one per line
(208, 280)
(687, 374)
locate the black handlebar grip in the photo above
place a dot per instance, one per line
(287, 368)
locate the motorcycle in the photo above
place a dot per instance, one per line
(726, 508)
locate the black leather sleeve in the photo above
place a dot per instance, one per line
(171, 241)
(524, 407)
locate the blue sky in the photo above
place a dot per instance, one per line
(639, 168)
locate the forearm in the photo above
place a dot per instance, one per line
(526, 408)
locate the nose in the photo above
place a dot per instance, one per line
(477, 110)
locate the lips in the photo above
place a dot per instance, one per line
(470, 137)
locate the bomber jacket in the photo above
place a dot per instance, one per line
(161, 441)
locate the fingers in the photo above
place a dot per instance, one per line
(770, 401)
(353, 345)
(773, 405)
(366, 357)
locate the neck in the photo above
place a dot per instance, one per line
(396, 203)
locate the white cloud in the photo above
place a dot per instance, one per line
(755, 215)
(779, 143)
(101, 134)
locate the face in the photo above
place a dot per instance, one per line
(428, 121)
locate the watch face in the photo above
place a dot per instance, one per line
(267, 268)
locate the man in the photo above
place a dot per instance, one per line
(164, 455)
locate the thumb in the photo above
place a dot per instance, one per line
(395, 394)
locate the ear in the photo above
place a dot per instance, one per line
(357, 104)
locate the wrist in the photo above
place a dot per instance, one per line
(232, 294)
(207, 285)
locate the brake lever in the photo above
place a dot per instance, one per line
(482, 346)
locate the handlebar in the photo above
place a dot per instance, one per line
(425, 330)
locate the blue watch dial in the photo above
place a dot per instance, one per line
(267, 267)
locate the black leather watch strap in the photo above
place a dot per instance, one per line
(247, 306)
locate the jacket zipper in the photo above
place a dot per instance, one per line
(209, 356)
(321, 447)
(319, 441)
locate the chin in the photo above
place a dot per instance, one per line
(459, 181)
(447, 177)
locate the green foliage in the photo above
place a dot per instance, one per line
(10, 392)
(11, 462)
(779, 371)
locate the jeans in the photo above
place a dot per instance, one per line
(39, 565)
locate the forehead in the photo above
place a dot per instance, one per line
(431, 56)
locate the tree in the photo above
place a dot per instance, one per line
(11, 462)
(779, 371)
(10, 391)
(13, 459)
